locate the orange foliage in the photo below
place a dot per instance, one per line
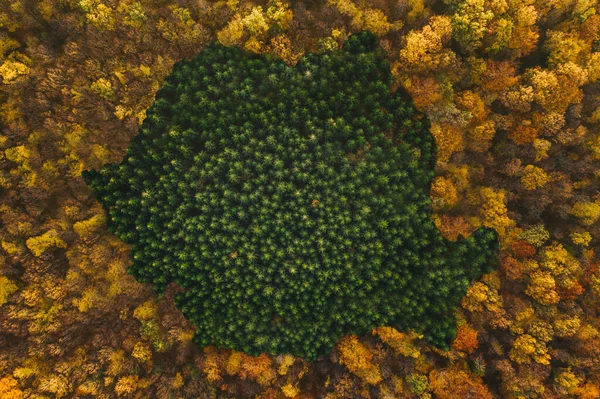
(9, 388)
(523, 134)
(424, 91)
(466, 339)
(453, 227)
(59, 114)
(453, 384)
(258, 368)
(522, 249)
(512, 268)
(572, 291)
(498, 75)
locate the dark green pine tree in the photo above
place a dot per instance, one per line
(291, 204)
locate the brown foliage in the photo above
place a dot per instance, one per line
(517, 150)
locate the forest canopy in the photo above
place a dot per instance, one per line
(511, 90)
(290, 202)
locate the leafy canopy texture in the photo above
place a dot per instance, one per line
(290, 203)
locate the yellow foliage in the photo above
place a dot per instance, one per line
(133, 14)
(256, 22)
(142, 352)
(88, 227)
(98, 14)
(234, 362)
(86, 302)
(519, 98)
(567, 327)
(89, 388)
(290, 391)
(473, 103)
(559, 262)
(211, 366)
(416, 9)
(280, 13)
(556, 89)
(99, 154)
(542, 288)
(470, 23)
(534, 177)
(541, 330)
(129, 384)
(282, 46)
(542, 147)
(576, 75)
(14, 68)
(480, 296)
(284, 365)
(587, 212)
(40, 244)
(30, 366)
(7, 44)
(448, 139)
(594, 142)
(364, 19)
(374, 20)
(145, 70)
(593, 67)
(9, 388)
(536, 235)
(443, 193)
(122, 111)
(19, 154)
(103, 88)
(146, 311)
(581, 238)
(401, 343)
(181, 27)
(357, 358)
(526, 349)
(102, 17)
(233, 32)
(419, 384)
(480, 136)
(116, 360)
(567, 379)
(7, 288)
(24, 372)
(563, 47)
(346, 7)
(522, 319)
(545, 84)
(177, 381)
(493, 210)
(424, 50)
(56, 384)
(253, 45)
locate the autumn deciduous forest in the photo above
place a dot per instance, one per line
(509, 91)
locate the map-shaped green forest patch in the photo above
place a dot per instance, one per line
(290, 203)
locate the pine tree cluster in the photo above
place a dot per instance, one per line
(290, 203)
